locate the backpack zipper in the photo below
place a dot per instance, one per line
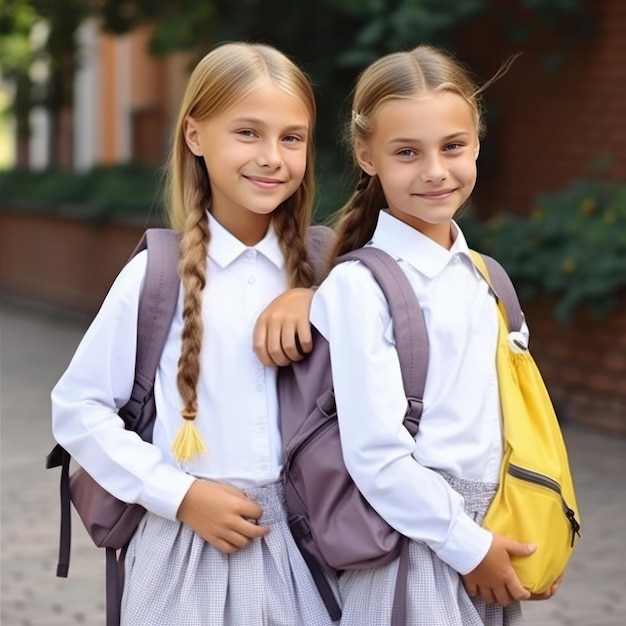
(549, 483)
(301, 442)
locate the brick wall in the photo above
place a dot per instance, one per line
(61, 261)
(547, 127)
(583, 364)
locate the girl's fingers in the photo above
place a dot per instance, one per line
(516, 592)
(486, 594)
(289, 344)
(304, 338)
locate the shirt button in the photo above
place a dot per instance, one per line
(259, 388)
(251, 280)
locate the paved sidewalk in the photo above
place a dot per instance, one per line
(35, 347)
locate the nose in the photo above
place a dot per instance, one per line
(269, 155)
(433, 168)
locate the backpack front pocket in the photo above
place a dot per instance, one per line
(549, 523)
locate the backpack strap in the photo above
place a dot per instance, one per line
(408, 323)
(156, 309)
(412, 347)
(502, 287)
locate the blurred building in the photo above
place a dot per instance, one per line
(125, 98)
(124, 101)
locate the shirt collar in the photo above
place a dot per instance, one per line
(404, 242)
(224, 247)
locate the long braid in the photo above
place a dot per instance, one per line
(358, 216)
(291, 233)
(193, 273)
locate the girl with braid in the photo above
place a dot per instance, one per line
(415, 131)
(214, 547)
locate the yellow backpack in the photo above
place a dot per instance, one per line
(535, 501)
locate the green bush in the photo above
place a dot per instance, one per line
(571, 247)
(127, 191)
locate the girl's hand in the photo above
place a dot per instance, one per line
(495, 580)
(548, 594)
(222, 515)
(282, 334)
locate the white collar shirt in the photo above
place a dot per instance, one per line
(237, 397)
(460, 429)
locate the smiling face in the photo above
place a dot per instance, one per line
(424, 152)
(255, 153)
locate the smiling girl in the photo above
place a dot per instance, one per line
(415, 132)
(214, 546)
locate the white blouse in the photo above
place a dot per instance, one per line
(460, 430)
(237, 398)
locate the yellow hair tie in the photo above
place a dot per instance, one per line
(188, 442)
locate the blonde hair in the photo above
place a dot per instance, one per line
(399, 75)
(224, 76)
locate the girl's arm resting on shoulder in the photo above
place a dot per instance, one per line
(350, 310)
(95, 385)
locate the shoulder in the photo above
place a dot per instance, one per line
(349, 292)
(351, 278)
(135, 269)
(129, 282)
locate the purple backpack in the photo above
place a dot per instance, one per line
(110, 522)
(332, 523)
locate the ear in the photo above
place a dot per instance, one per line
(191, 133)
(363, 158)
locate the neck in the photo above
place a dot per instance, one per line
(250, 230)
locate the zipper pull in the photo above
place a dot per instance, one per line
(571, 516)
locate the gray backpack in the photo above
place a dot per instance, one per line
(110, 522)
(332, 523)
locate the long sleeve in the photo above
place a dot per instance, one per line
(349, 309)
(96, 384)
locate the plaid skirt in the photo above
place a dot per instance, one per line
(175, 578)
(435, 592)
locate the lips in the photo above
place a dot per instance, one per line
(436, 195)
(264, 182)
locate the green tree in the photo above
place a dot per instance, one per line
(333, 39)
(17, 19)
(63, 18)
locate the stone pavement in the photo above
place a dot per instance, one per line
(35, 347)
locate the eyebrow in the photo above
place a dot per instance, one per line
(259, 122)
(458, 135)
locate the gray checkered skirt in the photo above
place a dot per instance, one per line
(175, 578)
(435, 592)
